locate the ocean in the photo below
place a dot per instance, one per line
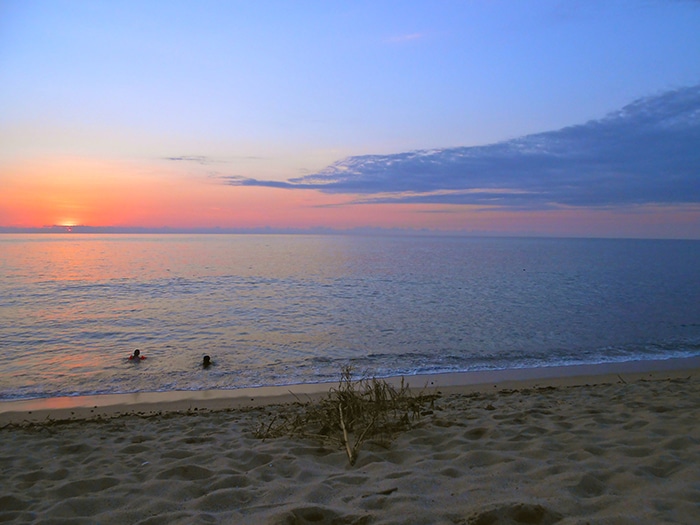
(287, 309)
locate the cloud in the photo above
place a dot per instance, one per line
(405, 38)
(646, 153)
(199, 159)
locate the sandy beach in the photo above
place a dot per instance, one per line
(601, 448)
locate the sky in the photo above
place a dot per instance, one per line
(504, 117)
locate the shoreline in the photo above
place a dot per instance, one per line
(112, 405)
(589, 444)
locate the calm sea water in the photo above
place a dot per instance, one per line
(275, 310)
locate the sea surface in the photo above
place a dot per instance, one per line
(285, 309)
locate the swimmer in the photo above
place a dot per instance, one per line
(206, 361)
(136, 356)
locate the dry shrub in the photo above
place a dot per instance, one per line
(355, 411)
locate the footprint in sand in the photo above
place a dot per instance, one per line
(515, 514)
(318, 514)
(186, 472)
(85, 486)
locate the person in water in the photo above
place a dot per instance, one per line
(136, 356)
(206, 361)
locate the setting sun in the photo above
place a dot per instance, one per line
(100, 131)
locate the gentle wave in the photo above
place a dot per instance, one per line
(277, 310)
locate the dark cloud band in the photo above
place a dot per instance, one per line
(648, 152)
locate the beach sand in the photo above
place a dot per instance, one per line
(619, 448)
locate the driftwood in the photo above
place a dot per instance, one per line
(352, 413)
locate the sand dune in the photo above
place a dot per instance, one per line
(613, 453)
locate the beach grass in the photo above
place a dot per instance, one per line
(355, 411)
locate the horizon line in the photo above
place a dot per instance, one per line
(58, 229)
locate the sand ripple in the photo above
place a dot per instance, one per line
(619, 453)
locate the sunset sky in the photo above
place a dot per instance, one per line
(542, 117)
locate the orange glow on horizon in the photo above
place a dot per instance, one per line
(73, 192)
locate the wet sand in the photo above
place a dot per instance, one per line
(600, 445)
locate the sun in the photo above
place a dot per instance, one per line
(68, 224)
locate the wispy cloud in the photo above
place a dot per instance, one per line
(647, 152)
(205, 160)
(398, 39)
(198, 159)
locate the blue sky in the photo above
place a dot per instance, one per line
(277, 91)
